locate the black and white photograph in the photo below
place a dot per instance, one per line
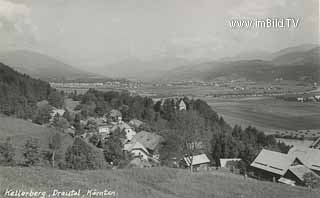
(159, 99)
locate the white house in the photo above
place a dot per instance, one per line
(137, 150)
(197, 161)
(127, 129)
(182, 105)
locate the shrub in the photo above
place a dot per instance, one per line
(81, 156)
(7, 153)
(32, 152)
(311, 180)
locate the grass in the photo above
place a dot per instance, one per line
(148, 183)
(21, 130)
(268, 114)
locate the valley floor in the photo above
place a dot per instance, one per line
(147, 183)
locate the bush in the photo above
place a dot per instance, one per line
(7, 153)
(311, 180)
(32, 152)
(81, 156)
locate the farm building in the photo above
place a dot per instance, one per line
(308, 156)
(287, 168)
(198, 162)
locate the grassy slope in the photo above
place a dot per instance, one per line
(20, 131)
(149, 183)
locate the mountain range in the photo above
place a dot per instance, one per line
(301, 63)
(42, 66)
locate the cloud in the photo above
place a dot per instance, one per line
(12, 10)
(16, 23)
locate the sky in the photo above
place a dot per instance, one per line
(88, 33)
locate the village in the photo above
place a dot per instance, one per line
(143, 146)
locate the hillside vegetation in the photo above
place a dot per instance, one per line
(19, 93)
(148, 183)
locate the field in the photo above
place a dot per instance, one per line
(268, 114)
(147, 183)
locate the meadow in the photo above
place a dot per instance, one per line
(148, 183)
(267, 113)
(21, 130)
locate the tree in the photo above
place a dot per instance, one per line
(311, 180)
(7, 153)
(113, 148)
(191, 131)
(81, 156)
(54, 145)
(60, 123)
(56, 99)
(32, 152)
(43, 115)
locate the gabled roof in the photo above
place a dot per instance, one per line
(308, 156)
(197, 159)
(135, 146)
(271, 161)
(299, 171)
(147, 139)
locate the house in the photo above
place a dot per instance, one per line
(300, 99)
(271, 165)
(114, 116)
(150, 141)
(294, 175)
(308, 156)
(59, 112)
(104, 129)
(127, 129)
(137, 150)
(316, 144)
(182, 105)
(287, 168)
(55, 112)
(224, 161)
(198, 162)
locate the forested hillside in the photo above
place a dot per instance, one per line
(19, 93)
